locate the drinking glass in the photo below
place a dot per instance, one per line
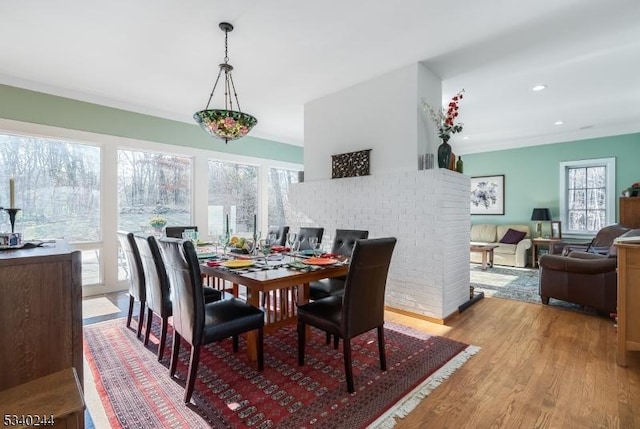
(250, 245)
(291, 238)
(265, 248)
(313, 243)
(295, 247)
(224, 241)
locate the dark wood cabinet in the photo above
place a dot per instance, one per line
(629, 212)
(40, 312)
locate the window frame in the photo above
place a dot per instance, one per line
(610, 200)
(110, 144)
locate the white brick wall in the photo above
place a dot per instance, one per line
(427, 211)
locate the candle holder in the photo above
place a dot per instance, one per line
(12, 217)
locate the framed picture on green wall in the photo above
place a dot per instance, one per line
(487, 195)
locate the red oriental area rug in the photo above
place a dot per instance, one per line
(136, 389)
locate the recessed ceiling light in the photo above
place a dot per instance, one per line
(466, 138)
(558, 123)
(539, 87)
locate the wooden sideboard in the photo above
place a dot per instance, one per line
(630, 212)
(40, 312)
(628, 299)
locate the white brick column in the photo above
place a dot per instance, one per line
(427, 211)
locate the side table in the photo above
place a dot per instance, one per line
(540, 242)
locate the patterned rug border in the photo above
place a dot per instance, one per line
(386, 420)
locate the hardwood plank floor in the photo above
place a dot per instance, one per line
(539, 367)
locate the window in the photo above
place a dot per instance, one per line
(152, 185)
(279, 181)
(587, 195)
(57, 187)
(233, 193)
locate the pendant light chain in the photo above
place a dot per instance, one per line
(226, 124)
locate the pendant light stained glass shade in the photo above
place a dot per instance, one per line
(225, 124)
(228, 123)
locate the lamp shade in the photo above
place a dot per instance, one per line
(541, 214)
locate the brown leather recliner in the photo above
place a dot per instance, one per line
(583, 278)
(600, 244)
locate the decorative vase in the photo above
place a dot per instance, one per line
(459, 165)
(444, 155)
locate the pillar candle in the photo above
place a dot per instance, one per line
(12, 193)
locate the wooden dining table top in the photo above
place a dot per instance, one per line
(275, 278)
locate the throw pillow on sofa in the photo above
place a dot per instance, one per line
(513, 237)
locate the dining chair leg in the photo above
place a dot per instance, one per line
(301, 341)
(336, 340)
(163, 336)
(235, 343)
(147, 330)
(174, 354)
(191, 376)
(383, 357)
(327, 338)
(348, 370)
(141, 318)
(260, 347)
(130, 313)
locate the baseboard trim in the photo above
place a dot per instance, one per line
(419, 316)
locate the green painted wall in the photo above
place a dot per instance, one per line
(35, 107)
(532, 173)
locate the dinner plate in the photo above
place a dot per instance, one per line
(320, 261)
(237, 263)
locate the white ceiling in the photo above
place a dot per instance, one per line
(161, 57)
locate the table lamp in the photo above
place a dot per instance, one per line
(540, 215)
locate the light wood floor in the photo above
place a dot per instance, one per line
(539, 367)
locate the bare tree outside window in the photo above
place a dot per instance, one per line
(233, 192)
(279, 181)
(153, 185)
(57, 185)
(587, 195)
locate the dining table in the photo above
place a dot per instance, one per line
(282, 286)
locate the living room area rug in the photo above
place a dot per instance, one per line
(136, 389)
(518, 284)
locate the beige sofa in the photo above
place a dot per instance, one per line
(514, 255)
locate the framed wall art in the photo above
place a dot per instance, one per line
(487, 195)
(350, 164)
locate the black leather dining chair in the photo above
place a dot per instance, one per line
(305, 232)
(360, 309)
(280, 233)
(137, 288)
(200, 323)
(176, 231)
(158, 289)
(343, 244)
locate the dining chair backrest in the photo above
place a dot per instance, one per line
(176, 231)
(183, 271)
(134, 264)
(281, 234)
(306, 232)
(345, 240)
(155, 273)
(364, 289)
